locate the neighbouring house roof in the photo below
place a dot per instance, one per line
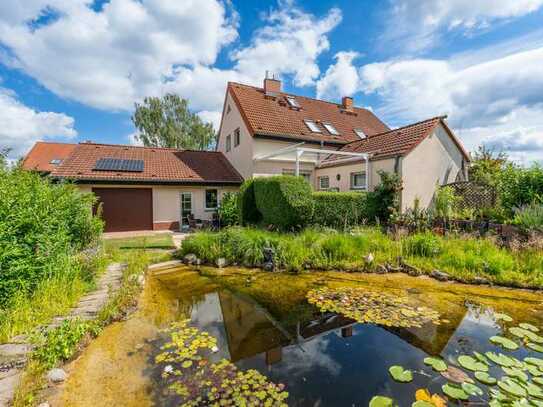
(46, 156)
(160, 165)
(393, 143)
(271, 115)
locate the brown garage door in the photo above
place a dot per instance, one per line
(125, 209)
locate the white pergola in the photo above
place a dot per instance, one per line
(298, 150)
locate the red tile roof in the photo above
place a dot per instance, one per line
(40, 156)
(161, 165)
(272, 116)
(397, 142)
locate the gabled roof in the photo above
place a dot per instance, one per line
(40, 156)
(267, 115)
(160, 165)
(393, 143)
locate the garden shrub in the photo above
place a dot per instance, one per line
(384, 200)
(529, 217)
(422, 244)
(284, 201)
(228, 209)
(339, 209)
(445, 202)
(248, 212)
(41, 226)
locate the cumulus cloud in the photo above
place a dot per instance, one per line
(110, 57)
(340, 79)
(416, 25)
(492, 101)
(23, 126)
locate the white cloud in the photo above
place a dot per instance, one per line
(22, 126)
(494, 101)
(340, 79)
(415, 25)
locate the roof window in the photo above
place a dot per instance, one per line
(293, 102)
(360, 133)
(312, 126)
(55, 161)
(331, 129)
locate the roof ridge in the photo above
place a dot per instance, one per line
(299, 96)
(128, 145)
(399, 128)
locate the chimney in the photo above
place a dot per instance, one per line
(271, 85)
(347, 103)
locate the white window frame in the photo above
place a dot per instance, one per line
(360, 133)
(228, 143)
(56, 161)
(205, 199)
(312, 126)
(355, 187)
(322, 178)
(331, 129)
(291, 100)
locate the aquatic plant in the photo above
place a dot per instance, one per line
(437, 364)
(371, 307)
(199, 382)
(400, 374)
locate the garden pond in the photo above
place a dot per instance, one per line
(313, 339)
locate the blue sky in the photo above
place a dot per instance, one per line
(71, 70)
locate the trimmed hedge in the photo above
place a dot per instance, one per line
(340, 209)
(248, 212)
(284, 201)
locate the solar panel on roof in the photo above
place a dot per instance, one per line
(118, 164)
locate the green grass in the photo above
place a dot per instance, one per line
(464, 258)
(158, 241)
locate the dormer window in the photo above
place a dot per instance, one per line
(360, 133)
(55, 161)
(331, 129)
(312, 126)
(293, 102)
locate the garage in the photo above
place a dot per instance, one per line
(126, 209)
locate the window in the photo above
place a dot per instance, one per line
(312, 126)
(55, 161)
(228, 143)
(358, 180)
(324, 182)
(293, 102)
(228, 109)
(236, 137)
(211, 199)
(305, 174)
(331, 129)
(360, 133)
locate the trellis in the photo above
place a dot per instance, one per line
(474, 195)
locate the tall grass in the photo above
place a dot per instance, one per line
(462, 257)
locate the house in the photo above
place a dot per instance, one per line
(140, 188)
(335, 146)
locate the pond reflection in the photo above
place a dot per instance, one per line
(323, 358)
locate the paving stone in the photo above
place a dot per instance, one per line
(7, 388)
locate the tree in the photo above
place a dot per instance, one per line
(4, 152)
(168, 122)
(487, 166)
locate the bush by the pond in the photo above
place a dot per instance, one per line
(41, 226)
(228, 209)
(248, 212)
(462, 257)
(340, 209)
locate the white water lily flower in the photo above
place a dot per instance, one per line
(214, 349)
(168, 369)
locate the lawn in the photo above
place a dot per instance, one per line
(158, 241)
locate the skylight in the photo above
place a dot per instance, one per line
(360, 133)
(55, 161)
(331, 129)
(312, 126)
(293, 102)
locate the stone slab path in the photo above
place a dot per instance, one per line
(13, 355)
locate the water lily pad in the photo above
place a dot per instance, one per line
(501, 359)
(529, 327)
(526, 333)
(518, 332)
(511, 386)
(534, 390)
(472, 389)
(504, 342)
(400, 374)
(485, 378)
(381, 401)
(533, 370)
(534, 362)
(422, 403)
(502, 317)
(437, 364)
(470, 363)
(535, 347)
(481, 358)
(538, 380)
(454, 391)
(515, 373)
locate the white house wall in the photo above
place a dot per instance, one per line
(436, 161)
